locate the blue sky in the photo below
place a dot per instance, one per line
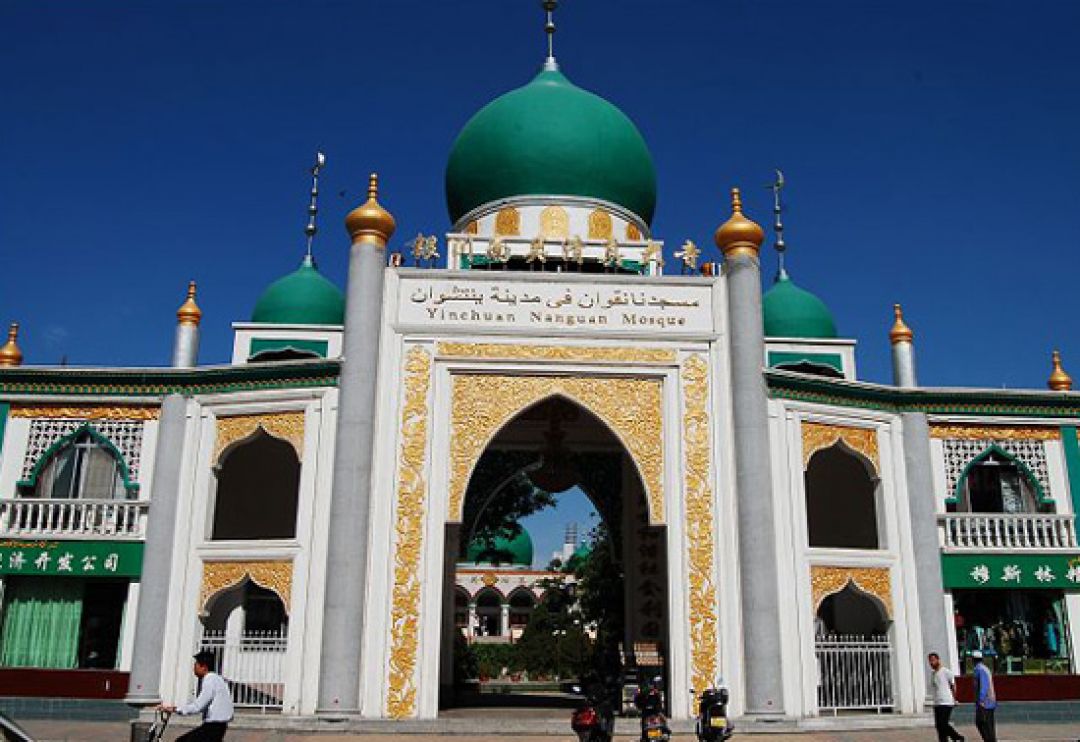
(931, 152)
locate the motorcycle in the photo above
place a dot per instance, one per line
(713, 724)
(650, 702)
(594, 719)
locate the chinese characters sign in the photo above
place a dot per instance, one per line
(1060, 571)
(71, 558)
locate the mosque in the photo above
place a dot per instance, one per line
(306, 510)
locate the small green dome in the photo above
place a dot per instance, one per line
(580, 554)
(517, 551)
(304, 297)
(550, 137)
(791, 312)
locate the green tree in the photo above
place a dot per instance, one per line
(600, 599)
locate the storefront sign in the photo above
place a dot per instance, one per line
(1059, 571)
(642, 307)
(71, 558)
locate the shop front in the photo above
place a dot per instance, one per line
(67, 618)
(1016, 611)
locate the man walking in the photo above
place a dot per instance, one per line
(985, 699)
(214, 702)
(943, 687)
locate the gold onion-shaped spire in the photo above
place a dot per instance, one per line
(10, 355)
(1059, 381)
(738, 235)
(900, 332)
(370, 222)
(189, 312)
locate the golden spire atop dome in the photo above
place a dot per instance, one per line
(900, 332)
(189, 312)
(738, 235)
(1059, 381)
(370, 222)
(10, 355)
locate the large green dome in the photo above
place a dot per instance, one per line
(304, 297)
(792, 312)
(552, 138)
(517, 551)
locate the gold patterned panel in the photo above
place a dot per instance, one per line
(409, 537)
(472, 227)
(600, 226)
(289, 426)
(95, 412)
(554, 223)
(220, 576)
(699, 522)
(556, 353)
(632, 232)
(482, 404)
(996, 433)
(825, 581)
(817, 436)
(508, 222)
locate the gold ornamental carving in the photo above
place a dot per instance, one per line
(597, 354)
(483, 403)
(701, 544)
(220, 576)
(472, 227)
(554, 223)
(508, 222)
(409, 537)
(818, 436)
(94, 412)
(633, 233)
(600, 227)
(826, 581)
(993, 433)
(288, 426)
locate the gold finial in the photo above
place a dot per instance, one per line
(900, 332)
(1059, 380)
(10, 355)
(189, 312)
(739, 235)
(370, 222)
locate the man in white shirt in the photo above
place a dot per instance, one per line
(214, 702)
(943, 688)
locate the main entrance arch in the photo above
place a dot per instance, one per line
(547, 448)
(655, 402)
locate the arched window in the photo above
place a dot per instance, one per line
(86, 467)
(522, 603)
(247, 609)
(258, 491)
(489, 613)
(996, 483)
(841, 508)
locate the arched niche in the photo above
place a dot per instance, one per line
(852, 611)
(842, 510)
(258, 490)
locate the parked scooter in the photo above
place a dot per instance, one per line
(594, 719)
(157, 730)
(713, 724)
(650, 702)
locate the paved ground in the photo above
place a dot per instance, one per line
(59, 731)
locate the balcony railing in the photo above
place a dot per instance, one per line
(993, 531)
(34, 518)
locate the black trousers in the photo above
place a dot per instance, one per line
(945, 730)
(210, 731)
(984, 722)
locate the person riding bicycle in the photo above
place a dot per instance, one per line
(214, 702)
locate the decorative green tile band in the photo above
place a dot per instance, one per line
(1015, 571)
(71, 558)
(262, 345)
(832, 360)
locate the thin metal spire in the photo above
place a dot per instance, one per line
(549, 28)
(313, 205)
(778, 224)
